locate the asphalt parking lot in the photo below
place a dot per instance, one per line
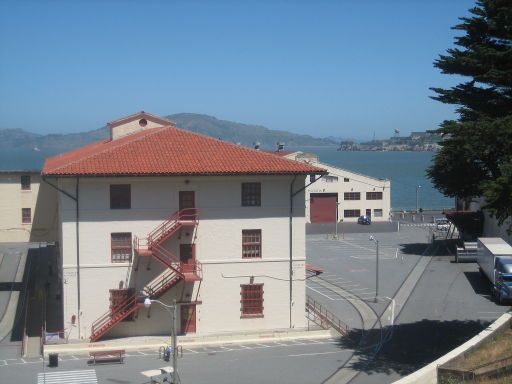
(446, 306)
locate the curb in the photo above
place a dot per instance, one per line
(184, 341)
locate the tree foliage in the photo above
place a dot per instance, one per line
(476, 155)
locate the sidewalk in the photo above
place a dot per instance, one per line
(155, 342)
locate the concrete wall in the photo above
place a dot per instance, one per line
(218, 240)
(40, 198)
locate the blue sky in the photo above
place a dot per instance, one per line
(344, 68)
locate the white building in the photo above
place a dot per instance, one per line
(28, 207)
(343, 194)
(178, 216)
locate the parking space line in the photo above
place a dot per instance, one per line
(330, 298)
(190, 350)
(318, 353)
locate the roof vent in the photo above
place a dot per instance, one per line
(257, 145)
(280, 146)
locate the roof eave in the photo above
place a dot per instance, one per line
(305, 173)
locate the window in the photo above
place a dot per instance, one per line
(311, 178)
(25, 182)
(120, 196)
(330, 179)
(121, 244)
(352, 213)
(251, 243)
(251, 300)
(377, 212)
(373, 195)
(346, 179)
(26, 215)
(352, 196)
(251, 194)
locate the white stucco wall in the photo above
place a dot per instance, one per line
(218, 239)
(356, 183)
(40, 198)
(131, 127)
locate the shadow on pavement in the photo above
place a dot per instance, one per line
(480, 284)
(413, 248)
(408, 347)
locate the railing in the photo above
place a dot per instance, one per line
(326, 317)
(198, 269)
(161, 283)
(138, 243)
(121, 310)
(163, 230)
(167, 258)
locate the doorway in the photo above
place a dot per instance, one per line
(188, 257)
(187, 200)
(188, 318)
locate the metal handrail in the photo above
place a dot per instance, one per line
(153, 288)
(326, 315)
(187, 214)
(106, 318)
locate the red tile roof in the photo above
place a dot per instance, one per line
(170, 151)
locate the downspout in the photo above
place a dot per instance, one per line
(78, 252)
(75, 199)
(292, 195)
(291, 247)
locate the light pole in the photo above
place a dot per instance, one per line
(372, 238)
(417, 194)
(147, 304)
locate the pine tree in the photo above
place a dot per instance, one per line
(476, 155)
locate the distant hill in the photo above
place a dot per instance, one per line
(245, 134)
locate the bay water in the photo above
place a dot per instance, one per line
(406, 170)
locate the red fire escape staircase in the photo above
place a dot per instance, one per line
(151, 247)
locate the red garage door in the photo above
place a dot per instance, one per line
(323, 207)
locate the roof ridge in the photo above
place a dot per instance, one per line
(233, 144)
(147, 132)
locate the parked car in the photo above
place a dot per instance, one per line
(364, 220)
(442, 224)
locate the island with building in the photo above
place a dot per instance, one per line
(416, 141)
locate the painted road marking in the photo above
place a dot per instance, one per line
(86, 376)
(319, 353)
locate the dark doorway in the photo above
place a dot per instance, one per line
(188, 318)
(187, 199)
(187, 257)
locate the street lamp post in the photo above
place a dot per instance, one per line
(147, 304)
(372, 238)
(417, 195)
